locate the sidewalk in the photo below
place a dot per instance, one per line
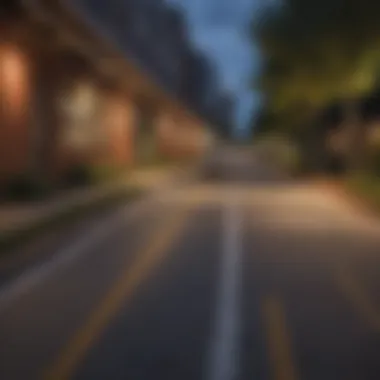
(15, 217)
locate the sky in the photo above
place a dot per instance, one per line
(221, 29)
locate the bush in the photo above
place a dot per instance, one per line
(79, 175)
(375, 162)
(26, 188)
(335, 165)
(107, 173)
(367, 186)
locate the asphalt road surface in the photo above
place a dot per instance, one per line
(241, 275)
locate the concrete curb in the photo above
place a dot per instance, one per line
(38, 213)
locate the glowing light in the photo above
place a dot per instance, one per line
(13, 80)
(81, 107)
(81, 101)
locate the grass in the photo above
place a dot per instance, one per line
(168, 163)
(104, 174)
(15, 239)
(367, 187)
(156, 162)
(162, 161)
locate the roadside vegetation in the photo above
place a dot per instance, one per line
(11, 240)
(319, 82)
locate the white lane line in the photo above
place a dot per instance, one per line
(35, 276)
(223, 361)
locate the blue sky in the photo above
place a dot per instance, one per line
(220, 28)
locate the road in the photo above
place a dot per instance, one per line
(240, 275)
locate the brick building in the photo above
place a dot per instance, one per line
(68, 96)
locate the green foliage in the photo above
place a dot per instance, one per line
(318, 51)
(107, 173)
(14, 239)
(79, 175)
(375, 162)
(367, 187)
(85, 175)
(24, 188)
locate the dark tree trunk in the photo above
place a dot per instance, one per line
(356, 133)
(312, 144)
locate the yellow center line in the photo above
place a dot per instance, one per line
(358, 297)
(75, 350)
(278, 340)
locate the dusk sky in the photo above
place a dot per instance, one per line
(220, 28)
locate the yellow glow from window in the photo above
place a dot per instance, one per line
(13, 80)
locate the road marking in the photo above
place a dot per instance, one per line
(38, 274)
(223, 360)
(358, 297)
(75, 350)
(278, 340)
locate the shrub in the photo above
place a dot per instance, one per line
(79, 175)
(375, 162)
(107, 173)
(26, 188)
(335, 165)
(367, 186)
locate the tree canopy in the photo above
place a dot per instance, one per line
(316, 53)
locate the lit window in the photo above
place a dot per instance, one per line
(14, 80)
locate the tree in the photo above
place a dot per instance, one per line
(318, 52)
